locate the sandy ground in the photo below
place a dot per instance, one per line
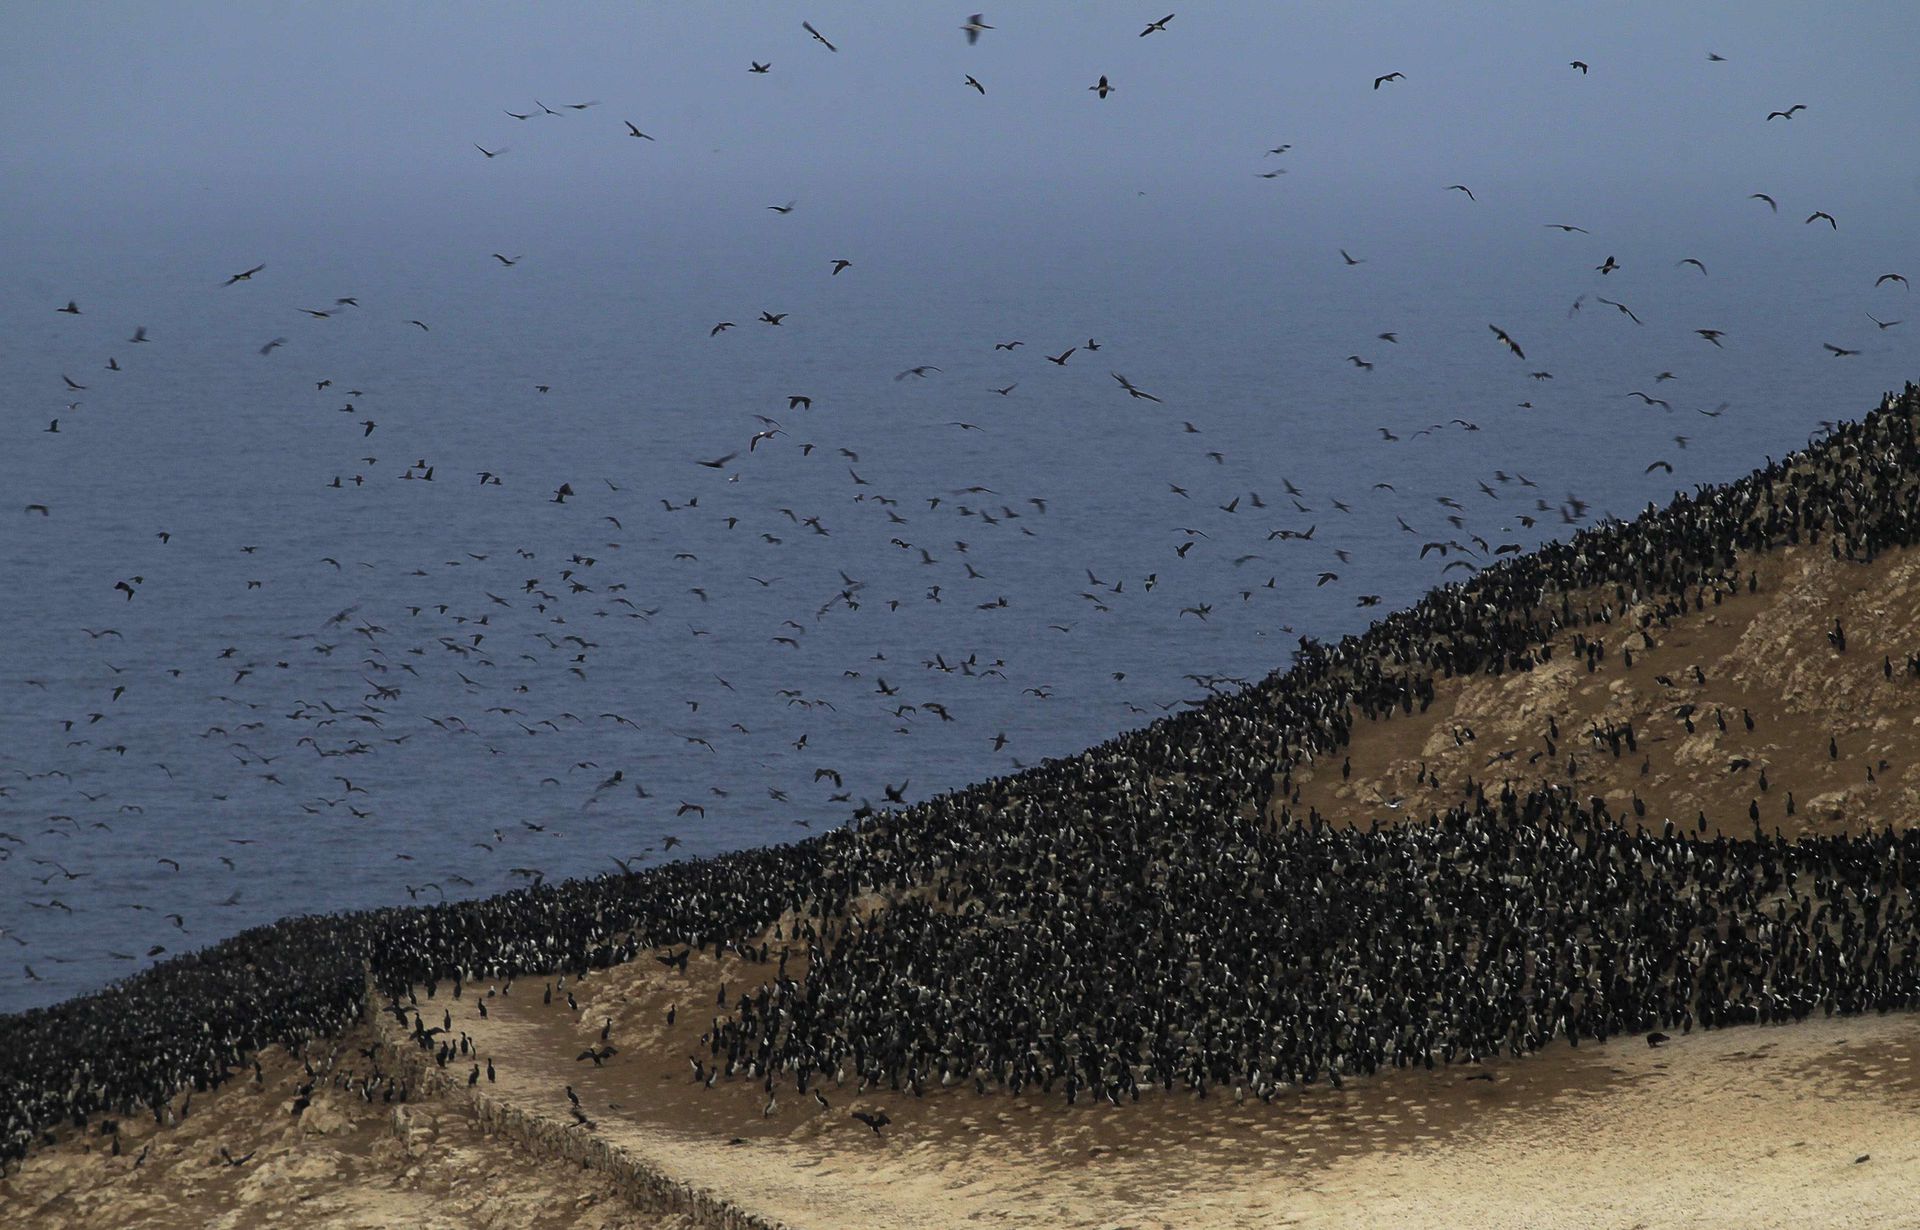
(344, 1162)
(1766, 653)
(1760, 1126)
(1811, 1124)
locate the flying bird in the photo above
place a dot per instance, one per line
(1133, 391)
(817, 36)
(1821, 213)
(1761, 196)
(1157, 27)
(633, 131)
(1465, 189)
(246, 276)
(1622, 308)
(1787, 114)
(1380, 81)
(1101, 87)
(1507, 341)
(973, 28)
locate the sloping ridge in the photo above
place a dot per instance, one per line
(1133, 835)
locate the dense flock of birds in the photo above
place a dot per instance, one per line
(1121, 918)
(1134, 915)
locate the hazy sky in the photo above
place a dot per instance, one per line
(130, 121)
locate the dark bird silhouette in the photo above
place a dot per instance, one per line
(1101, 87)
(1838, 352)
(634, 131)
(817, 36)
(1380, 81)
(1787, 114)
(1622, 308)
(1508, 341)
(245, 275)
(1761, 196)
(972, 81)
(1131, 390)
(1821, 213)
(875, 1120)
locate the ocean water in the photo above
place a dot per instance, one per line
(322, 698)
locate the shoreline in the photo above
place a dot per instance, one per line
(739, 894)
